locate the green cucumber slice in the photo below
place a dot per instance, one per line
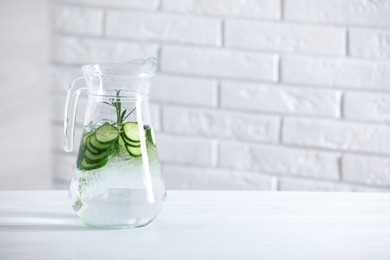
(80, 156)
(134, 151)
(90, 147)
(93, 161)
(130, 143)
(85, 137)
(90, 166)
(98, 145)
(94, 158)
(106, 133)
(131, 131)
(149, 132)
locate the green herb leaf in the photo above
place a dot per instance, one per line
(117, 104)
(123, 119)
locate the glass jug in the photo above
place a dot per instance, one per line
(118, 181)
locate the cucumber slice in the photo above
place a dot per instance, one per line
(106, 133)
(130, 143)
(80, 156)
(149, 132)
(85, 137)
(130, 130)
(94, 158)
(90, 147)
(94, 161)
(98, 145)
(134, 151)
(90, 166)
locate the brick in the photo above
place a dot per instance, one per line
(133, 4)
(295, 184)
(219, 63)
(76, 20)
(283, 37)
(279, 160)
(338, 135)
(72, 50)
(356, 12)
(163, 27)
(369, 43)
(220, 124)
(269, 9)
(184, 90)
(367, 170)
(185, 151)
(367, 106)
(336, 72)
(195, 178)
(280, 99)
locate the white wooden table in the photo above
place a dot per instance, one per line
(205, 225)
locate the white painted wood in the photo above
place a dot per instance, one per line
(205, 225)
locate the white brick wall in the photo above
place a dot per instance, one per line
(337, 73)
(134, 4)
(337, 135)
(220, 124)
(186, 151)
(184, 177)
(268, 9)
(255, 94)
(366, 170)
(279, 160)
(76, 50)
(283, 37)
(281, 99)
(76, 20)
(218, 63)
(162, 27)
(187, 91)
(366, 106)
(369, 43)
(343, 12)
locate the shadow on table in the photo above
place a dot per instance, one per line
(41, 221)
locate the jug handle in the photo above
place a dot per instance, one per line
(72, 99)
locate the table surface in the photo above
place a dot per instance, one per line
(204, 225)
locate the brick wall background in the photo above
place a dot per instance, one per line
(250, 94)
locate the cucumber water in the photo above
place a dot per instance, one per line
(111, 170)
(101, 143)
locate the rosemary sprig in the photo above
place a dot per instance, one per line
(116, 102)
